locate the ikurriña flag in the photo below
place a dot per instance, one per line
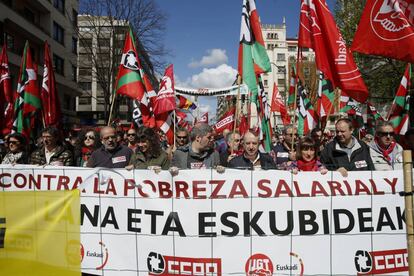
(27, 103)
(326, 97)
(319, 32)
(50, 98)
(307, 117)
(253, 59)
(399, 111)
(6, 93)
(165, 100)
(129, 81)
(372, 118)
(386, 29)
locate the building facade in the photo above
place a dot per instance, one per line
(101, 41)
(37, 21)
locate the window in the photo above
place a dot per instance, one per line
(85, 100)
(74, 76)
(85, 73)
(281, 69)
(281, 57)
(269, 46)
(102, 42)
(29, 15)
(292, 48)
(59, 5)
(74, 45)
(265, 83)
(87, 86)
(58, 33)
(281, 82)
(59, 64)
(10, 41)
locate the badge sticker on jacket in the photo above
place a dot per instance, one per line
(361, 164)
(197, 165)
(119, 159)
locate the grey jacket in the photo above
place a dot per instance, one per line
(381, 163)
(191, 160)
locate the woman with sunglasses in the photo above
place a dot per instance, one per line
(306, 158)
(149, 154)
(16, 146)
(87, 143)
(386, 154)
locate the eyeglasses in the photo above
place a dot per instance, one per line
(90, 137)
(131, 134)
(181, 137)
(13, 142)
(383, 134)
(236, 140)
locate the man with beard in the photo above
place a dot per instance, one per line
(111, 154)
(200, 154)
(52, 152)
(252, 158)
(345, 152)
(386, 154)
(284, 151)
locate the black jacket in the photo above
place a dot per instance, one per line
(333, 157)
(117, 158)
(241, 162)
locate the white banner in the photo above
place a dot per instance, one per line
(240, 222)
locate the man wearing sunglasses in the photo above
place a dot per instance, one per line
(385, 152)
(132, 139)
(111, 154)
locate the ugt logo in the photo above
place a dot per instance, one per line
(2, 231)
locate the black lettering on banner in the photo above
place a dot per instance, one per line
(362, 219)
(203, 224)
(134, 220)
(400, 217)
(303, 222)
(337, 223)
(110, 218)
(154, 215)
(173, 219)
(273, 227)
(325, 217)
(252, 223)
(384, 219)
(230, 224)
(93, 219)
(2, 232)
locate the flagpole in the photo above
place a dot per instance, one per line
(236, 113)
(295, 98)
(174, 128)
(112, 108)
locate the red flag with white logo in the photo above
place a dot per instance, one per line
(50, 99)
(226, 121)
(318, 31)
(165, 100)
(202, 119)
(278, 105)
(386, 29)
(6, 93)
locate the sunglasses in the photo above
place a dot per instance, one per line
(13, 142)
(131, 134)
(181, 137)
(383, 134)
(90, 137)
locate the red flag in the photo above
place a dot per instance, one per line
(202, 119)
(278, 106)
(165, 100)
(386, 29)
(50, 99)
(147, 104)
(6, 93)
(165, 122)
(318, 31)
(244, 125)
(226, 121)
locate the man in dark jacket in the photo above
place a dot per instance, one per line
(346, 153)
(51, 152)
(111, 154)
(252, 158)
(285, 151)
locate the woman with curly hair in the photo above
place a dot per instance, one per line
(87, 143)
(149, 154)
(17, 153)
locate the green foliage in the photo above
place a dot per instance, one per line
(382, 75)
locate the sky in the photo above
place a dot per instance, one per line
(203, 39)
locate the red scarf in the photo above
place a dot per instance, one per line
(86, 153)
(307, 166)
(388, 151)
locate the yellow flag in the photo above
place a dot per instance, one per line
(40, 233)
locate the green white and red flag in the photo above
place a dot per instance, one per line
(292, 87)
(326, 97)
(277, 105)
(399, 111)
(129, 81)
(253, 59)
(307, 116)
(28, 103)
(6, 94)
(372, 118)
(49, 95)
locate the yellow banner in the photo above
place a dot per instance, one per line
(40, 233)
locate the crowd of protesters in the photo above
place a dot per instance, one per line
(202, 148)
